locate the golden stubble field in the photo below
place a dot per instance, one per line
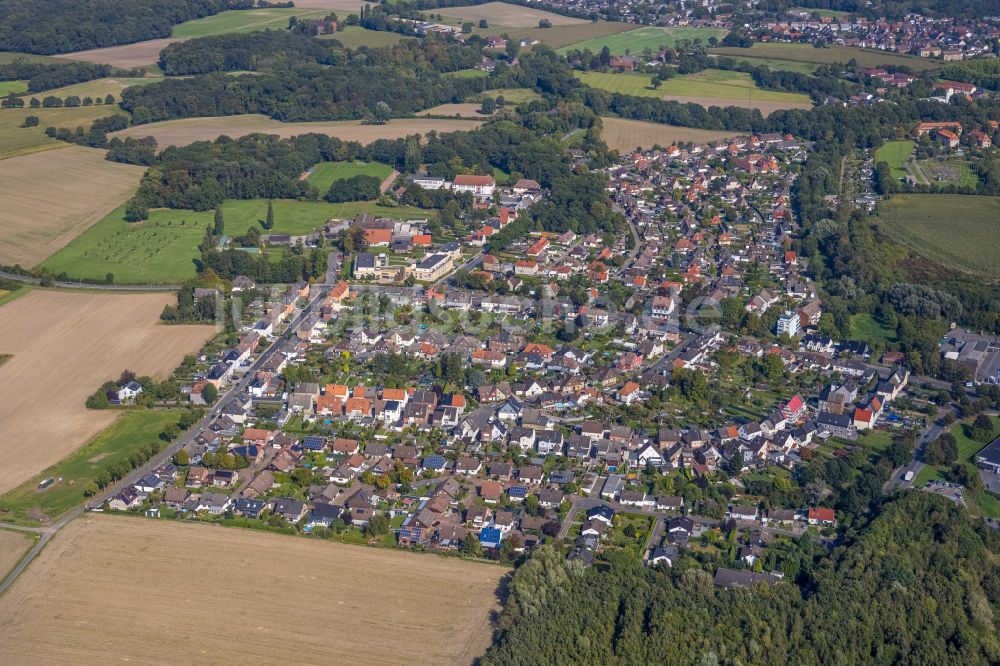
(13, 545)
(114, 589)
(503, 14)
(64, 346)
(50, 198)
(188, 130)
(625, 135)
(138, 54)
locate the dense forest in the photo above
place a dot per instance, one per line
(919, 584)
(61, 26)
(255, 51)
(377, 84)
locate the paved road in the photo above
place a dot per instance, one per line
(927, 435)
(46, 532)
(25, 279)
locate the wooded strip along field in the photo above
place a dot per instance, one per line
(104, 580)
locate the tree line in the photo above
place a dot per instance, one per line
(46, 76)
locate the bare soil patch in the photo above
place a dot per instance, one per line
(13, 546)
(64, 346)
(50, 198)
(188, 130)
(765, 107)
(127, 55)
(624, 135)
(158, 592)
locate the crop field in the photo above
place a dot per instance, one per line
(188, 130)
(502, 14)
(7, 57)
(243, 20)
(64, 346)
(650, 37)
(708, 88)
(13, 546)
(105, 579)
(826, 56)
(461, 110)
(895, 154)
(625, 135)
(16, 140)
(127, 55)
(163, 248)
(354, 36)
(955, 230)
(346, 6)
(49, 198)
(100, 87)
(28, 505)
(325, 173)
(774, 64)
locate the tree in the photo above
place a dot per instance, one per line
(378, 525)
(209, 394)
(942, 451)
(470, 546)
(545, 23)
(220, 225)
(982, 428)
(302, 476)
(488, 106)
(90, 489)
(109, 278)
(467, 27)
(483, 23)
(182, 457)
(269, 222)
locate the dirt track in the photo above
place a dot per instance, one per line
(64, 346)
(112, 589)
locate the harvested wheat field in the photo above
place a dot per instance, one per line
(50, 198)
(13, 546)
(503, 14)
(463, 110)
(138, 54)
(625, 135)
(188, 130)
(766, 107)
(125, 589)
(64, 345)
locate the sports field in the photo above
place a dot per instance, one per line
(16, 140)
(625, 135)
(354, 36)
(100, 87)
(64, 346)
(825, 56)
(955, 230)
(162, 249)
(133, 430)
(709, 87)
(502, 14)
(188, 130)
(51, 197)
(650, 37)
(325, 173)
(895, 154)
(127, 55)
(243, 20)
(104, 580)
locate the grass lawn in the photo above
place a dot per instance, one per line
(13, 87)
(710, 83)
(162, 249)
(354, 36)
(650, 37)
(876, 440)
(865, 327)
(511, 95)
(895, 154)
(825, 56)
(642, 525)
(955, 230)
(16, 140)
(6, 296)
(981, 502)
(324, 173)
(243, 20)
(130, 431)
(471, 73)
